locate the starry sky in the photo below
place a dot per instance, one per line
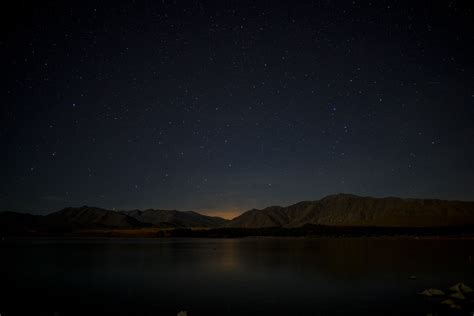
(224, 106)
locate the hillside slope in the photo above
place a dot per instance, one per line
(166, 218)
(352, 210)
(90, 217)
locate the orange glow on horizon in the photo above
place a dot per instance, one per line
(227, 214)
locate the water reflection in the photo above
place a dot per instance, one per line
(266, 275)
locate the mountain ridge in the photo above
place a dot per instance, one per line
(175, 218)
(352, 210)
(85, 217)
(337, 210)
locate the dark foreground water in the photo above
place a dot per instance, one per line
(264, 276)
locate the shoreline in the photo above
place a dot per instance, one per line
(312, 231)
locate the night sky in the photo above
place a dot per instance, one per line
(224, 106)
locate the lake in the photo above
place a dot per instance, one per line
(264, 276)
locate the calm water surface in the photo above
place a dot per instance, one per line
(265, 276)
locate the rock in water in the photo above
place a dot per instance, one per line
(432, 292)
(458, 295)
(461, 287)
(451, 304)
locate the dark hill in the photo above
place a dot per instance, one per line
(12, 222)
(166, 218)
(76, 218)
(90, 217)
(352, 210)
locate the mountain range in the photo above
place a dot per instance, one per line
(166, 218)
(352, 210)
(342, 210)
(85, 217)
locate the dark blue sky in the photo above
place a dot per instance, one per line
(222, 107)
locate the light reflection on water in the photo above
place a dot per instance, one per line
(233, 276)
